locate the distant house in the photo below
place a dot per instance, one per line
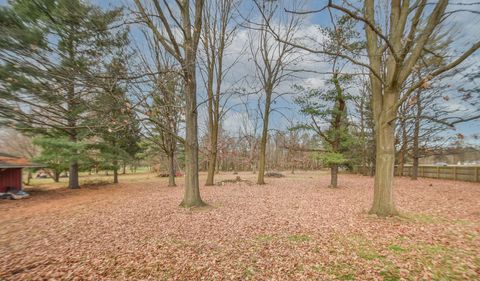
(453, 156)
(11, 171)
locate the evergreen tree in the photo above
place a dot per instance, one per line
(327, 111)
(49, 55)
(56, 154)
(117, 130)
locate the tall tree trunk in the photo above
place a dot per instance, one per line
(115, 171)
(71, 118)
(212, 156)
(416, 136)
(73, 171)
(263, 142)
(403, 148)
(192, 191)
(171, 169)
(124, 167)
(337, 115)
(334, 176)
(363, 137)
(383, 203)
(401, 163)
(115, 175)
(73, 175)
(115, 163)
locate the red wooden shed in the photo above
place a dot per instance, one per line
(11, 171)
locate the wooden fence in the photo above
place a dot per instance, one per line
(461, 173)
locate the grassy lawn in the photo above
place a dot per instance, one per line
(293, 228)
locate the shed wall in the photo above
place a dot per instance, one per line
(10, 178)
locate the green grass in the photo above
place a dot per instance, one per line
(340, 271)
(346, 277)
(422, 218)
(299, 238)
(390, 275)
(264, 238)
(396, 248)
(369, 254)
(249, 272)
(86, 179)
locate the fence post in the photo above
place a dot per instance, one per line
(476, 173)
(438, 172)
(422, 171)
(455, 173)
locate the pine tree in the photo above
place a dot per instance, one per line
(116, 134)
(49, 54)
(327, 111)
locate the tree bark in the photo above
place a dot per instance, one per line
(115, 175)
(115, 171)
(212, 157)
(171, 170)
(334, 176)
(403, 148)
(56, 176)
(416, 135)
(383, 202)
(71, 118)
(263, 141)
(192, 191)
(73, 171)
(73, 175)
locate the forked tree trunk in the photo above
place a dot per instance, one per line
(334, 176)
(192, 192)
(171, 170)
(383, 203)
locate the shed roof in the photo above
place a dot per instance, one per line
(10, 161)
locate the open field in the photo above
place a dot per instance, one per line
(294, 228)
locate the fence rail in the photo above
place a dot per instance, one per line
(461, 173)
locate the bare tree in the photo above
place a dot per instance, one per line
(218, 33)
(178, 30)
(160, 100)
(394, 44)
(272, 59)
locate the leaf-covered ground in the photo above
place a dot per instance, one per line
(293, 228)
